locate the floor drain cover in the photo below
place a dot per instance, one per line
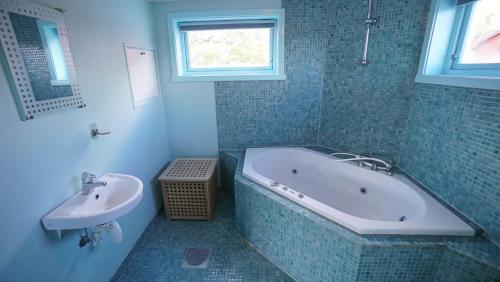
(196, 258)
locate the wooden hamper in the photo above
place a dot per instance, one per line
(190, 187)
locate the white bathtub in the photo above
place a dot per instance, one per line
(365, 201)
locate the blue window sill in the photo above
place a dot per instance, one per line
(483, 82)
(188, 78)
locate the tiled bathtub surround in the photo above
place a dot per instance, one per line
(446, 137)
(228, 163)
(286, 112)
(312, 248)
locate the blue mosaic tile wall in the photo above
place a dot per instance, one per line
(365, 108)
(458, 267)
(251, 113)
(452, 147)
(228, 162)
(32, 51)
(399, 263)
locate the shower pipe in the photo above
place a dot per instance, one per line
(369, 22)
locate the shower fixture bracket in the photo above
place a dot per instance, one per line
(371, 21)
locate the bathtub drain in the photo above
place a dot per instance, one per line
(403, 218)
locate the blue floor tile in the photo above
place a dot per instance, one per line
(158, 254)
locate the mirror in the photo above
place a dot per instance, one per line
(37, 58)
(43, 56)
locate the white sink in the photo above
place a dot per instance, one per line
(121, 194)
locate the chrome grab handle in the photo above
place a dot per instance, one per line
(95, 132)
(345, 154)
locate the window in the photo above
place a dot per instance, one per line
(477, 38)
(54, 52)
(462, 45)
(231, 45)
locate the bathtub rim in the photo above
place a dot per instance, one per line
(362, 226)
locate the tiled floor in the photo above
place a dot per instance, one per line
(159, 253)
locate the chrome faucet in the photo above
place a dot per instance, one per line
(372, 163)
(89, 183)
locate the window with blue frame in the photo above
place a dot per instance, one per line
(230, 45)
(54, 52)
(475, 44)
(462, 44)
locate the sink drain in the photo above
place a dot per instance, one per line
(403, 218)
(362, 190)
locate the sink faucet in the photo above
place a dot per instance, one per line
(372, 163)
(89, 183)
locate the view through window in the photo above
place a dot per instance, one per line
(230, 48)
(482, 41)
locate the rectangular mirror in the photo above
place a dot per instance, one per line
(37, 58)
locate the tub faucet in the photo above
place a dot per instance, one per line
(372, 163)
(89, 183)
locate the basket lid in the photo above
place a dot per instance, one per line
(189, 169)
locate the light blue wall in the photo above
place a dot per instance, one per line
(41, 160)
(190, 106)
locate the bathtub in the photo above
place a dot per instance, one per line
(362, 200)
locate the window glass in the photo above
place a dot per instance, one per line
(482, 40)
(227, 45)
(230, 48)
(56, 52)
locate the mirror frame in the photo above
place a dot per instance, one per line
(14, 66)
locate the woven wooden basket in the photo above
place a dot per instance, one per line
(190, 187)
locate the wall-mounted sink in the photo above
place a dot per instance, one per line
(104, 204)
